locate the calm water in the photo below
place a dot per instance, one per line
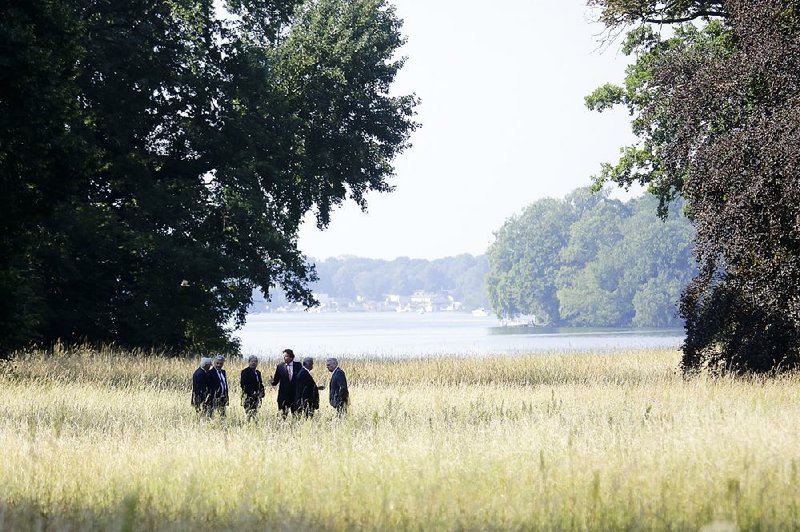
(411, 334)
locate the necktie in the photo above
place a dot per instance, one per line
(222, 383)
(289, 370)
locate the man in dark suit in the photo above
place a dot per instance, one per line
(218, 387)
(338, 395)
(306, 391)
(285, 375)
(200, 391)
(252, 387)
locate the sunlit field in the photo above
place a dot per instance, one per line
(557, 441)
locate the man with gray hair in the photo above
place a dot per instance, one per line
(306, 390)
(338, 395)
(218, 387)
(200, 387)
(252, 387)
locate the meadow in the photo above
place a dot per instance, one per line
(108, 440)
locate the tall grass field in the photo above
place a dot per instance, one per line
(107, 440)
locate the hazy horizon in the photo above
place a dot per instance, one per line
(503, 124)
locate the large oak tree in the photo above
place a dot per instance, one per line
(157, 157)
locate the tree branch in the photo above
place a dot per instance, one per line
(687, 18)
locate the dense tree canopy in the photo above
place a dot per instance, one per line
(156, 159)
(523, 261)
(589, 260)
(717, 109)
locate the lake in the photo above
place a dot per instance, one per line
(349, 334)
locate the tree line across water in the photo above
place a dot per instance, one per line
(586, 260)
(351, 279)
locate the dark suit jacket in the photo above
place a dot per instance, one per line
(286, 388)
(306, 394)
(218, 394)
(337, 389)
(251, 383)
(199, 387)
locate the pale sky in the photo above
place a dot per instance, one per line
(503, 124)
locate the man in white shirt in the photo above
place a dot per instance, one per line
(285, 375)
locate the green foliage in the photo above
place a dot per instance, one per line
(643, 162)
(715, 107)
(157, 161)
(523, 261)
(592, 297)
(616, 264)
(654, 302)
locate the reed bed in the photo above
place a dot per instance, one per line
(106, 440)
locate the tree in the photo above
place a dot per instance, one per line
(39, 158)
(654, 304)
(595, 296)
(718, 113)
(521, 277)
(523, 259)
(157, 160)
(652, 123)
(589, 276)
(628, 273)
(617, 265)
(658, 255)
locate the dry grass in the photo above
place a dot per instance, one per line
(99, 440)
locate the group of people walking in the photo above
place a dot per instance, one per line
(298, 393)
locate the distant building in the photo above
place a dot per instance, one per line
(326, 304)
(424, 301)
(449, 304)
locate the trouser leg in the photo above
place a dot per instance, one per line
(218, 405)
(251, 405)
